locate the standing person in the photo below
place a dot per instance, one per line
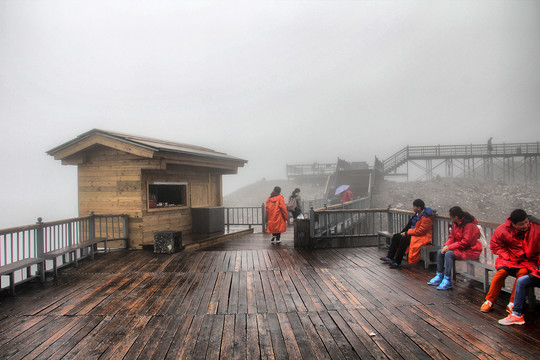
(346, 196)
(276, 214)
(294, 204)
(462, 244)
(418, 232)
(514, 243)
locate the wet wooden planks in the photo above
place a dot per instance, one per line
(266, 302)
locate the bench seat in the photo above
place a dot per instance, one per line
(488, 266)
(10, 269)
(73, 252)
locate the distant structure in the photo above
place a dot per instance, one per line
(157, 183)
(508, 162)
(358, 175)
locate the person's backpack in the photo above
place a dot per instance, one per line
(291, 205)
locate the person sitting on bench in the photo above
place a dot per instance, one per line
(417, 233)
(523, 284)
(513, 243)
(462, 244)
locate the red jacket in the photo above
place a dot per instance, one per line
(516, 250)
(277, 215)
(346, 196)
(463, 240)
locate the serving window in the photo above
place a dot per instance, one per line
(167, 195)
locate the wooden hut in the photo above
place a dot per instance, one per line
(155, 182)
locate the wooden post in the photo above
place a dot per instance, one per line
(40, 239)
(263, 207)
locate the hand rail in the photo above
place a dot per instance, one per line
(32, 241)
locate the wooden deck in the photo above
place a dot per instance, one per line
(249, 299)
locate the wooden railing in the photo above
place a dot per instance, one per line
(33, 241)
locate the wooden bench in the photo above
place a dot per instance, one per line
(383, 234)
(10, 269)
(72, 252)
(425, 251)
(484, 279)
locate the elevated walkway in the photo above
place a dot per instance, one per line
(509, 161)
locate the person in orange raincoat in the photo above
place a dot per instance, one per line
(276, 214)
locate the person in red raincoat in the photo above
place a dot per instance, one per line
(462, 244)
(531, 226)
(276, 214)
(346, 196)
(513, 242)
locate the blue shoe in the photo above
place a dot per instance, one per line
(445, 284)
(437, 279)
(394, 265)
(386, 260)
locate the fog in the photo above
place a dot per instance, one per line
(272, 82)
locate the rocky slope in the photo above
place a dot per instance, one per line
(488, 201)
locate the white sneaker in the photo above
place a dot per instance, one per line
(273, 239)
(278, 241)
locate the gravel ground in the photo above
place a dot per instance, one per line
(488, 201)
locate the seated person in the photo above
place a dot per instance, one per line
(510, 242)
(523, 283)
(462, 244)
(417, 233)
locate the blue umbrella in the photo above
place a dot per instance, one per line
(342, 188)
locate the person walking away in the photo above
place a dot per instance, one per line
(417, 232)
(276, 214)
(463, 243)
(294, 204)
(514, 243)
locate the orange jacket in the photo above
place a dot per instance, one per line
(276, 214)
(421, 235)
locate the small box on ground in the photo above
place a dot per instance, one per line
(167, 242)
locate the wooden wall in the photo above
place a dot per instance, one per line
(115, 182)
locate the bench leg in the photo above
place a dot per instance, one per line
(55, 267)
(532, 299)
(486, 280)
(41, 268)
(12, 283)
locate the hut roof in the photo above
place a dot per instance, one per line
(139, 145)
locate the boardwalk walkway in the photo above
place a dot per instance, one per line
(249, 299)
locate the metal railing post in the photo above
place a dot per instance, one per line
(390, 219)
(125, 225)
(311, 228)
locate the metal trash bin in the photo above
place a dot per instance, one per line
(167, 242)
(301, 233)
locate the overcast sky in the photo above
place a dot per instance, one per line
(272, 82)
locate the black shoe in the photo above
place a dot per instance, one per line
(394, 265)
(386, 259)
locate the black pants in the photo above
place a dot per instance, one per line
(398, 246)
